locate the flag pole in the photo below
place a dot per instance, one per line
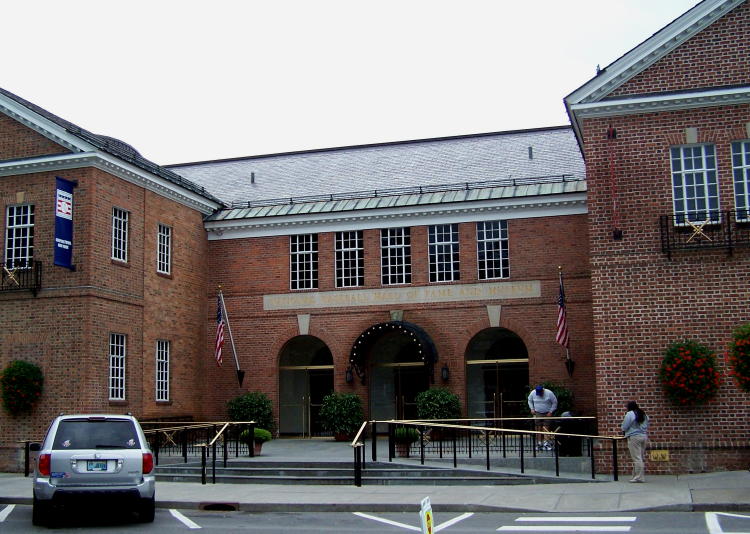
(569, 363)
(240, 374)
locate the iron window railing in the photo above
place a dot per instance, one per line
(21, 277)
(705, 230)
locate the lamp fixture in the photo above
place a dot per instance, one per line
(349, 377)
(444, 373)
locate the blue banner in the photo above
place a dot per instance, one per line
(64, 223)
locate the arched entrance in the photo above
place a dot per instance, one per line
(497, 374)
(398, 358)
(305, 377)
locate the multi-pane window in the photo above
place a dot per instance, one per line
(395, 256)
(164, 249)
(694, 184)
(303, 259)
(19, 236)
(350, 262)
(162, 370)
(492, 250)
(741, 171)
(117, 366)
(443, 252)
(119, 234)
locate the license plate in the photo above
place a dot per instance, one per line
(96, 465)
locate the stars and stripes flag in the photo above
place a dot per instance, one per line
(219, 332)
(562, 318)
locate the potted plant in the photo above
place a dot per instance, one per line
(403, 437)
(341, 414)
(261, 436)
(252, 406)
(437, 403)
(739, 357)
(688, 373)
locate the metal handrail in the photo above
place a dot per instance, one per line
(359, 455)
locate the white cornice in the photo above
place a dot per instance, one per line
(512, 208)
(114, 166)
(663, 102)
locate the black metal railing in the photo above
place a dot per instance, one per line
(705, 230)
(21, 276)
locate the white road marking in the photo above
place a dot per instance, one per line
(387, 521)
(453, 521)
(712, 523)
(570, 519)
(184, 520)
(6, 512)
(564, 528)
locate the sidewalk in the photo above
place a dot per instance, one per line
(722, 491)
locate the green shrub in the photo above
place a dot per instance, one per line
(253, 406)
(406, 434)
(341, 413)
(438, 403)
(22, 383)
(261, 436)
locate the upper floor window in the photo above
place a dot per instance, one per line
(164, 250)
(395, 256)
(162, 370)
(350, 263)
(19, 236)
(741, 171)
(303, 259)
(694, 184)
(492, 250)
(443, 253)
(117, 366)
(119, 234)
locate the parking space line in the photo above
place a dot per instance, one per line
(387, 521)
(184, 520)
(570, 519)
(453, 521)
(564, 528)
(6, 512)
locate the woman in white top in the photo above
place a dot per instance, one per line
(635, 427)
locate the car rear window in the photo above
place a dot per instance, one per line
(96, 434)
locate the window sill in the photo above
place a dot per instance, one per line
(164, 275)
(121, 263)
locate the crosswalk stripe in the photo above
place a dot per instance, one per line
(570, 519)
(184, 520)
(564, 528)
(453, 521)
(387, 521)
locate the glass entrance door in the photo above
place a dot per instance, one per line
(301, 398)
(394, 390)
(496, 388)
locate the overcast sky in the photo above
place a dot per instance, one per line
(187, 81)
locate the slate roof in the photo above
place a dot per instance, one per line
(115, 147)
(429, 162)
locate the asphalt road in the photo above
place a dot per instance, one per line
(17, 519)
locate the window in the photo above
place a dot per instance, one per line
(694, 184)
(395, 256)
(117, 367)
(19, 236)
(492, 250)
(164, 250)
(162, 370)
(303, 261)
(119, 234)
(741, 171)
(350, 264)
(443, 252)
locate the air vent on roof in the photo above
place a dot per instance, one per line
(531, 152)
(252, 177)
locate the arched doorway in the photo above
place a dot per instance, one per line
(305, 377)
(398, 357)
(497, 374)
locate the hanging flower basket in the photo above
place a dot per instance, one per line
(21, 384)
(688, 373)
(739, 357)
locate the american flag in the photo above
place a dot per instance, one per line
(562, 318)
(219, 332)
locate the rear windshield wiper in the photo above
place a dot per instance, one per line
(109, 447)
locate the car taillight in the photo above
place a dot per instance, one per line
(148, 463)
(44, 463)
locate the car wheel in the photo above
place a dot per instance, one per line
(147, 510)
(40, 512)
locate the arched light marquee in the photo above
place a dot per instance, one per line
(423, 344)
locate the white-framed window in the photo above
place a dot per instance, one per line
(492, 250)
(119, 234)
(303, 261)
(443, 252)
(162, 370)
(164, 249)
(19, 236)
(695, 188)
(350, 260)
(117, 352)
(395, 256)
(741, 172)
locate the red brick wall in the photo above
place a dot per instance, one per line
(716, 56)
(249, 268)
(17, 141)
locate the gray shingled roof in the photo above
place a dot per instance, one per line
(449, 160)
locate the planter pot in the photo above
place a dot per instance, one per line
(341, 436)
(402, 449)
(257, 448)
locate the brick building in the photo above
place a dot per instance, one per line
(386, 269)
